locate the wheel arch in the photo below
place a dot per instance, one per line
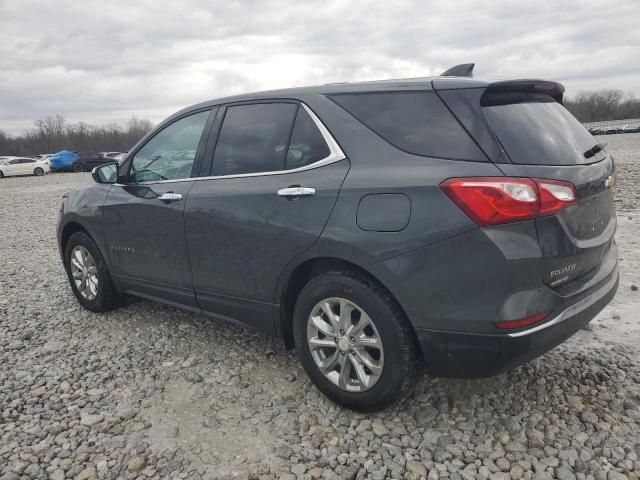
(69, 229)
(300, 276)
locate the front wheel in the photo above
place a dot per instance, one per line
(354, 341)
(88, 274)
(38, 172)
(1, 174)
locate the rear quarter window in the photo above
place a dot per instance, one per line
(415, 122)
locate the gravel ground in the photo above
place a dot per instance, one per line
(148, 391)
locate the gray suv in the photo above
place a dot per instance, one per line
(455, 224)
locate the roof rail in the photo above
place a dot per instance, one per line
(462, 70)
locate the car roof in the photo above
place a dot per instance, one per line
(349, 87)
(396, 84)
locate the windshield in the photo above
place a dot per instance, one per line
(541, 133)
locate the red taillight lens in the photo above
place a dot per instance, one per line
(496, 200)
(522, 322)
(555, 195)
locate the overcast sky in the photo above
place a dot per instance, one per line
(103, 61)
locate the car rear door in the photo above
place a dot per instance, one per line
(275, 177)
(144, 213)
(27, 166)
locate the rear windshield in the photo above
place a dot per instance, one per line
(541, 133)
(416, 122)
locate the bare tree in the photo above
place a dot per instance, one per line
(53, 134)
(596, 106)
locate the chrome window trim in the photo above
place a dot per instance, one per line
(335, 155)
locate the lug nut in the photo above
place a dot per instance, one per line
(352, 340)
(341, 332)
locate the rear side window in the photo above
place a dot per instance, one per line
(253, 138)
(416, 122)
(307, 144)
(535, 132)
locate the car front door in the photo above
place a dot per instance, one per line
(143, 213)
(275, 178)
(11, 167)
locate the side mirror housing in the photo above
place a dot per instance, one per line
(107, 173)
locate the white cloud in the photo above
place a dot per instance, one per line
(103, 61)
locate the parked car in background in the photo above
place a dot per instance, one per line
(631, 128)
(68, 161)
(120, 158)
(109, 156)
(63, 161)
(88, 160)
(10, 166)
(464, 223)
(45, 158)
(596, 131)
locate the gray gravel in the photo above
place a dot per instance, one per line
(152, 392)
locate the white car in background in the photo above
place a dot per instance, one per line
(120, 157)
(43, 157)
(22, 166)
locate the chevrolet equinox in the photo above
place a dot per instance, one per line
(453, 224)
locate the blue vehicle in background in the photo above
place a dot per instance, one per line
(68, 161)
(63, 161)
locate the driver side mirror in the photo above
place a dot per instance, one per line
(107, 173)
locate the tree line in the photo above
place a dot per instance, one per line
(54, 133)
(601, 105)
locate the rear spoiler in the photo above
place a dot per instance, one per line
(509, 91)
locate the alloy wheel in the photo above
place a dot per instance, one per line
(345, 344)
(84, 272)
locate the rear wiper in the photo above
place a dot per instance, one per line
(595, 149)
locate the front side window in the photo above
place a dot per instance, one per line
(307, 144)
(170, 154)
(253, 138)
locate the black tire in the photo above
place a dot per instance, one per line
(402, 363)
(107, 297)
(38, 172)
(1, 174)
(77, 168)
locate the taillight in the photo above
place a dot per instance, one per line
(496, 200)
(555, 195)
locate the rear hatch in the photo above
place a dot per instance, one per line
(543, 140)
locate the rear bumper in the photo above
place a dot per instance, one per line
(473, 355)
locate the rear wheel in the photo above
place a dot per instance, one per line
(354, 341)
(1, 174)
(88, 274)
(77, 168)
(38, 172)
